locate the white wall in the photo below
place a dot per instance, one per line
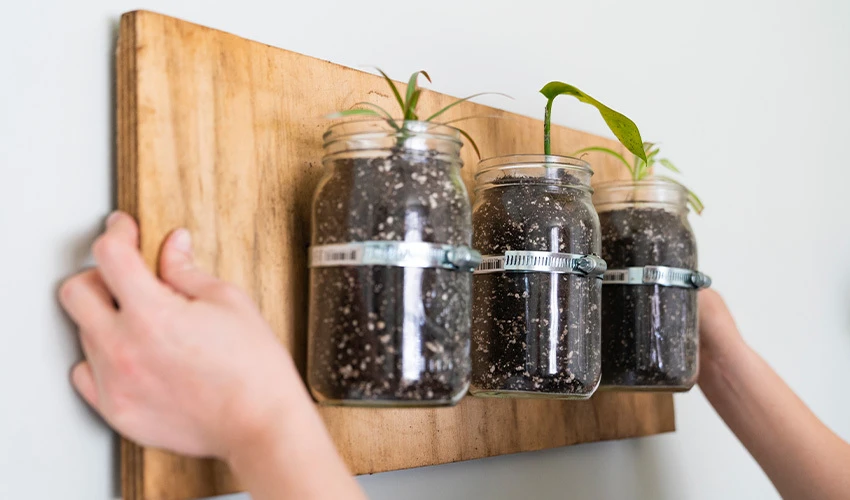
(750, 98)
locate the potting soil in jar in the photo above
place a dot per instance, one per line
(390, 334)
(535, 333)
(649, 331)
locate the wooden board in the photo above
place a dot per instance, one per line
(223, 135)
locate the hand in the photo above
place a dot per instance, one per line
(186, 363)
(802, 457)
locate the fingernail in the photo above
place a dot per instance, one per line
(112, 218)
(182, 241)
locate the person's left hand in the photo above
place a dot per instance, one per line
(185, 363)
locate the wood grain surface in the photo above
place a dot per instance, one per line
(223, 135)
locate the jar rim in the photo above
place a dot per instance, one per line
(534, 160)
(646, 182)
(649, 191)
(380, 127)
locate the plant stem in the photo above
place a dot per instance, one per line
(547, 128)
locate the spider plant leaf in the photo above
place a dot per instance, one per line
(471, 142)
(409, 106)
(377, 108)
(370, 110)
(472, 117)
(608, 151)
(354, 112)
(623, 128)
(455, 103)
(651, 151)
(669, 165)
(695, 202)
(391, 83)
(693, 199)
(640, 169)
(412, 103)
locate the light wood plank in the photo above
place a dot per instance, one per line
(223, 135)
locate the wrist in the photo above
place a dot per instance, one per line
(260, 418)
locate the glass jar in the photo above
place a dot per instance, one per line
(649, 298)
(536, 295)
(390, 267)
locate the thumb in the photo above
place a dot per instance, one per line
(83, 380)
(177, 266)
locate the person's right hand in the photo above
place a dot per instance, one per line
(185, 363)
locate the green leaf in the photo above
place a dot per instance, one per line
(641, 169)
(353, 112)
(669, 165)
(396, 93)
(377, 108)
(623, 128)
(608, 151)
(373, 110)
(473, 117)
(412, 103)
(693, 199)
(695, 202)
(412, 84)
(471, 141)
(473, 96)
(650, 156)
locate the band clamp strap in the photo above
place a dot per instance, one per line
(657, 275)
(395, 254)
(545, 262)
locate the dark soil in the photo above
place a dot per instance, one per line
(390, 335)
(649, 332)
(536, 334)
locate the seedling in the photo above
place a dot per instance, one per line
(643, 168)
(623, 128)
(408, 105)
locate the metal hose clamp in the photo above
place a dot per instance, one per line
(395, 254)
(657, 275)
(546, 262)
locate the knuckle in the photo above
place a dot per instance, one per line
(125, 363)
(145, 321)
(121, 405)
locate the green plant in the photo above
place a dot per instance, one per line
(623, 128)
(408, 104)
(643, 168)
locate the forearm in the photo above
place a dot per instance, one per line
(296, 460)
(801, 456)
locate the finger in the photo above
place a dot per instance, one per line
(87, 300)
(120, 263)
(178, 269)
(122, 225)
(713, 309)
(82, 379)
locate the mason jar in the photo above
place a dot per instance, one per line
(390, 267)
(649, 298)
(537, 292)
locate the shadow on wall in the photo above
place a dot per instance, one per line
(593, 471)
(76, 254)
(845, 305)
(647, 471)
